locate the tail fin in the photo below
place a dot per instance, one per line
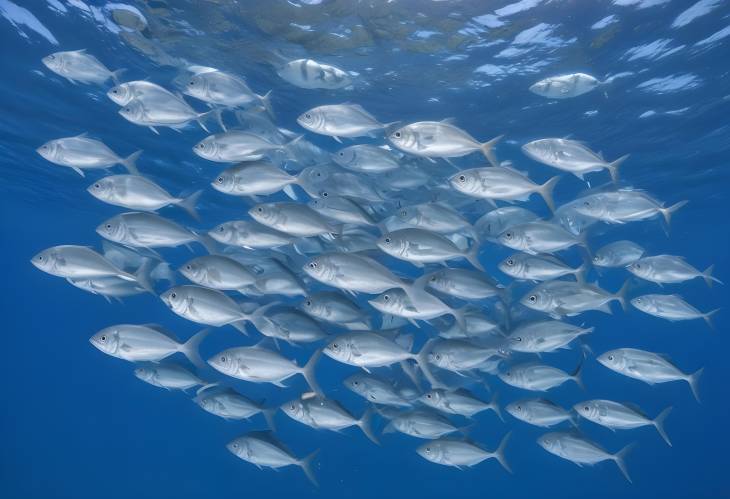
(208, 243)
(266, 103)
(365, 424)
(577, 375)
(620, 295)
(459, 316)
(306, 466)
(693, 380)
(215, 112)
(499, 453)
(188, 204)
(494, 405)
(308, 372)
(163, 272)
(472, 255)
(667, 212)
(487, 150)
(422, 360)
(190, 347)
(613, 167)
(268, 415)
(286, 147)
(142, 275)
(620, 460)
(707, 276)
(116, 74)
(708, 318)
(130, 162)
(546, 191)
(659, 424)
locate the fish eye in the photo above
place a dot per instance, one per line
(260, 209)
(519, 338)
(115, 91)
(519, 407)
(508, 235)
(510, 262)
(438, 356)
(313, 265)
(319, 174)
(201, 146)
(428, 450)
(433, 279)
(292, 407)
(97, 186)
(342, 153)
(308, 116)
(188, 267)
(355, 383)
(387, 240)
(223, 358)
(40, 258)
(386, 297)
(404, 213)
(325, 194)
(397, 134)
(108, 226)
(428, 396)
(462, 178)
(127, 110)
(334, 345)
(508, 374)
(585, 408)
(533, 298)
(220, 180)
(191, 83)
(51, 57)
(610, 357)
(220, 229)
(595, 258)
(103, 338)
(638, 265)
(173, 295)
(308, 303)
(586, 203)
(235, 446)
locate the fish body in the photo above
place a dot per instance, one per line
(538, 267)
(146, 230)
(501, 183)
(366, 158)
(311, 74)
(581, 451)
(668, 269)
(253, 179)
(138, 193)
(493, 223)
(565, 86)
(618, 416)
(224, 89)
(559, 298)
(459, 402)
(434, 217)
(263, 451)
(234, 146)
(420, 246)
(340, 120)
(538, 237)
(79, 66)
(292, 218)
(83, 153)
(123, 93)
(570, 156)
(544, 336)
(538, 377)
(670, 307)
(539, 412)
(461, 454)
(375, 390)
(623, 206)
(145, 343)
(218, 272)
(464, 284)
(168, 376)
(249, 234)
(618, 254)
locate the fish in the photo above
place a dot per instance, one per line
(83, 153)
(311, 74)
(138, 193)
(292, 326)
(109, 287)
(618, 416)
(434, 217)
(230, 405)
(367, 158)
(539, 377)
(397, 302)
(223, 89)
(341, 120)
(342, 209)
(168, 376)
(250, 235)
(544, 336)
(618, 254)
(571, 156)
(459, 356)
(503, 184)
(148, 230)
(375, 390)
(460, 402)
(124, 93)
(669, 269)
(82, 262)
(420, 424)
(218, 272)
(464, 284)
(441, 139)
(209, 307)
(146, 343)
(253, 179)
(171, 112)
(493, 223)
(295, 219)
(323, 181)
(624, 205)
(419, 246)
(580, 450)
(258, 364)
(262, 450)
(540, 268)
(566, 86)
(560, 298)
(234, 146)
(80, 66)
(539, 237)
(671, 307)
(648, 367)
(335, 308)
(462, 454)
(322, 413)
(539, 412)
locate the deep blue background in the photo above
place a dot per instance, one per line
(77, 424)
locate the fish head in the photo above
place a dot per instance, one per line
(312, 306)
(513, 265)
(295, 409)
(197, 86)
(265, 213)
(391, 244)
(225, 182)
(208, 148)
(432, 451)
(405, 138)
(357, 383)
(431, 398)
(133, 111)
(440, 281)
(320, 268)
(106, 340)
(339, 349)
(601, 259)
(176, 299)
(589, 409)
(121, 94)
(441, 356)
(102, 189)
(642, 303)
(113, 229)
(613, 359)
(467, 181)
(50, 150)
(538, 149)
(518, 410)
(145, 373)
(345, 157)
(407, 214)
(225, 363)
(392, 301)
(639, 269)
(54, 61)
(238, 447)
(313, 120)
(194, 270)
(537, 299)
(314, 175)
(47, 260)
(223, 233)
(549, 442)
(509, 375)
(541, 88)
(514, 238)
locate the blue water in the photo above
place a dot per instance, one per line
(75, 423)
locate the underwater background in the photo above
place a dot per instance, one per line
(77, 424)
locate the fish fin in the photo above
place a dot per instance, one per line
(306, 465)
(494, 405)
(188, 204)
(613, 167)
(78, 170)
(116, 74)
(472, 255)
(693, 380)
(499, 453)
(667, 212)
(422, 360)
(154, 130)
(289, 191)
(190, 348)
(708, 318)
(365, 424)
(268, 415)
(659, 424)
(337, 139)
(241, 326)
(308, 372)
(546, 191)
(215, 112)
(142, 275)
(266, 103)
(577, 375)
(707, 276)
(487, 150)
(620, 460)
(620, 295)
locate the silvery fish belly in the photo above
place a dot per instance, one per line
(365, 349)
(435, 217)
(249, 234)
(375, 390)
(544, 336)
(252, 179)
(538, 237)
(464, 284)
(536, 377)
(352, 272)
(133, 192)
(254, 364)
(671, 307)
(366, 158)
(234, 146)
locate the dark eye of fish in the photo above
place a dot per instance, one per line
(103, 338)
(173, 295)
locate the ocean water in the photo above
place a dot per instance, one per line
(76, 423)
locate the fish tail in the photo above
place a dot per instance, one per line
(499, 453)
(207, 242)
(116, 74)
(494, 405)
(365, 424)
(190, 348)
(268, 415)
(487, 149)
(308, 372)
(693, 380)
(667, 212)
(659, 424)
(613, 167)
(459, 316)
(142, 275)
(421, 359)
(266, 103)
(546, 191)
(215, 112)
(708, 318)
(708, 277)
(620, 295)
(472, 255)
(188, 204)
(306, 465)
(577, 375)
(620, 460)
(130, 162)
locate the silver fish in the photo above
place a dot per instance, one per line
(321, 413)
(539, 377)
(323, 181)
(669, 269)
(559, 298)
(249, 234)
(580, 451)
(625, 205)
(566, 86)
(434, 217)
(464, 284)
(420, 424)
(218, 272)
(292, 326)
(171, 111)
(138, 193)
(375, 390)
(238, 145)
(618, 254)
(307, 73)
(292, 218)
(224, 89)
(544, 336)
(397, 302)
(366, 158)
(461, 454)
(671, 307)
(255, 179)
(460, 402)
(123, 93)
(341, 209)
(148, 230)
(492, 224)
(459, 356)
(539, 237)
(419, 246)
(571, 156)
(78, 66)
(168, 376)
(539, 412)
(341, 120)
(539, 267)
(337, 309)
(82, 153)
(231, 405)
(648, 367)
(617, 416)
